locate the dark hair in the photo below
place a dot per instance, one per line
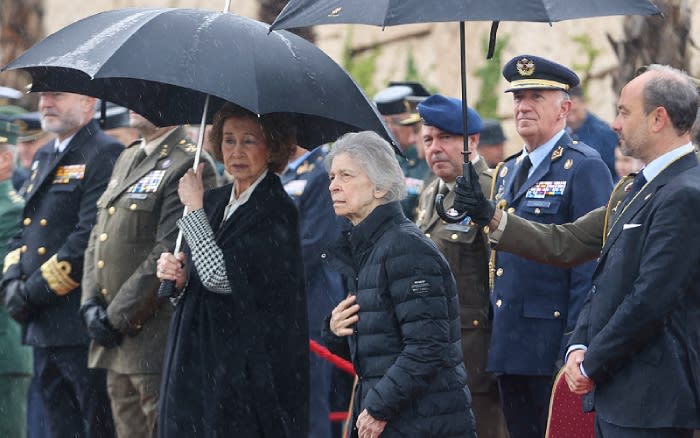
(278, 129)
(676, 92)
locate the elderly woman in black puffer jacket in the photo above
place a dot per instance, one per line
(400, 322)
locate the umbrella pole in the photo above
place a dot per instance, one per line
(454, 216)
(167, 287)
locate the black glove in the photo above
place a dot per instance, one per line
(16, 301)
(470, 199)
(94, 314)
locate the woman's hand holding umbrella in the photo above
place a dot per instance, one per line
(172, 268)
(191, 189)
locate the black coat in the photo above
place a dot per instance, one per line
(641, 321)
(237, 365)
(406, 348)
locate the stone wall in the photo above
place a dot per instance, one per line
(435, 47)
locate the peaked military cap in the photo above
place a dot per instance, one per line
(392, 100)
(528, 71)
(8, 132)
(446, 113)
(29, 126)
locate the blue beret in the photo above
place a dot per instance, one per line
(527, 71)
(446, 113)
(392, 100)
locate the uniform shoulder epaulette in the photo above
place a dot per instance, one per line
(514, 156)
(583, 148)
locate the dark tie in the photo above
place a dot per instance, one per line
(140, 155)
(521, 176)
(637, 184)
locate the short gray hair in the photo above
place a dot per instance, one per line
(377, 159)
(674, 90)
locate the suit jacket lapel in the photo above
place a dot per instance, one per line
(645, 195)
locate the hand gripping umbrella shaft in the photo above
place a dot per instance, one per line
(466, 167)
(167, 287)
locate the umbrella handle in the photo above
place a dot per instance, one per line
(167, 289)
(453, 218)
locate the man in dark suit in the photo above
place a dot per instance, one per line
(553, 179)
(45, 261)
(125, 318)
(635, 352)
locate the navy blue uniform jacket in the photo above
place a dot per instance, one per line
(641, 319)
(536, 305)
(61, 207)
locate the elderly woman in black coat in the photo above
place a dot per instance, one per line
(400, 322)
(237, 355)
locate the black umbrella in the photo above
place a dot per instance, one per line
(302, 13)
(162, 63)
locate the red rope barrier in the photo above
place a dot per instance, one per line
(325, 354)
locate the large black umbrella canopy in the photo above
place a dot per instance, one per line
(162, 63)
(302, 13)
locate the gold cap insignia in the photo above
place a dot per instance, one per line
(568, 164)
(335, 12)
(526, 67)
(558, 152)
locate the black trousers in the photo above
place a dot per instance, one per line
(75, 397)
(525, 401)
(603, 429)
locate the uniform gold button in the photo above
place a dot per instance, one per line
(100, 264)
(103, 237)
(104, 292)
(511, 210)
(487, 229)
(43, 222)
(41, 250)
(23, 249)
(111, 210)
(475, 323)
(132, 207)
(499, 303)
(538, 211)
(499, 272)
(557, 314)
(27, 221)
(427, 235)
(454, 236)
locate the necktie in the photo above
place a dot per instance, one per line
(521, 176)
(140, 155)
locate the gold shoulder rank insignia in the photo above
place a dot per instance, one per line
(190, 148)
(305, 167)
(557, 153)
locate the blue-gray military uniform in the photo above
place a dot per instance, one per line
(536, 306)
(306, 182)
(47, 253)
(15, 359)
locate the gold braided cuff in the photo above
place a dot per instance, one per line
(56, 275)
(12, 258)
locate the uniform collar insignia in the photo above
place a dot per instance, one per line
(557, 153)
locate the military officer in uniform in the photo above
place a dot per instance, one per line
(44, 264)
(393, 105)
(465, 247)
(30, 139)
(125, 318)
(15, 359)
(551, 180)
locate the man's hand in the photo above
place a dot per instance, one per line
(99, 329)
(578, 383)
(368, 426)
(16, 301)
(470, 199)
